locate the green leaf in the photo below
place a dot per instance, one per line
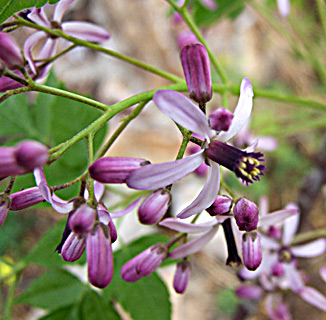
(145, 299)
(43, 254)
(67, 313)
(53, 290)
(10, 7)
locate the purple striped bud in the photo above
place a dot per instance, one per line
(9, 51)
(74, 247)
(8, 163)
(25, 198)
(99, 257)
(246, 215)
(114, 170)
(154, 207)
(195, 63)
(82, 221)
(181, 276)
(31, 154)
(4, 208)
(221, 205)
(221, 119)
(251, 250)
(185, 37)
(249, 292)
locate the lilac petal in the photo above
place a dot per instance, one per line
(183, 111)
(61, 9)
(283, 7)
(322, 272)
(207, 195)
(269, 243)
(310, 250)
(250, 292)
(123, 212)
(99, 189)
(48, 49)
(314, 297)
(263, 206)
(242, 111)
(28, 46)
(276, 217)
(266, 143)
(293, 276)
(193, 246)
(290, 225)
(179, 226)
(155, 176)
(60, 205)
(85, 31)
(38, 16)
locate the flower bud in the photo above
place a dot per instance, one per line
(251, 250)
(114, 170)
(154, 207)
(25, 198)
(99, 257)
(185, 37)
(246, 215)
(31, 154)
(82, 221)
(195, 63)
(9, 51)
(9, 84)
(8, 163)
(221, 119)
(4, 208)
(250, 292)
(278, 269)
(74, 247)
(221, 205)
(181, 276)
(274, 233)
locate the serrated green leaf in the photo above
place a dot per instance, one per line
(93, 307)
(53, 290)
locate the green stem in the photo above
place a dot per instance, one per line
(63, 52)
(321, 6)
(186, 138)
(79, 42)
(10, 300)
(309, 236)
(90, 181)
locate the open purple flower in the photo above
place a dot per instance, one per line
(246, 165)
(83, 30)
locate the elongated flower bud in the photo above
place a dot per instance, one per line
(221, 205)
(31, 154)
(4, 208)
(181, 276)
(154, 207)
(74, 247)
(82, 221)
(114, 170)
(221, 119)
(99, 257)
(25, 198)
(195, 63)
(251, 250)
(246, 215)
(8, 163)
(250, 292)
(9, 51)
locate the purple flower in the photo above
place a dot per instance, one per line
(276, 309)
(4, 208)
(83, 30)
(181, 276)
(220, 120)
(187, 114)
(9, 52)
(246, 215)
(250, 292)
(220, 206)
(25, 198)
(83, 219)
(251, 250)
(195, 63)
(185, 37)
(154, 207)
(74, 247)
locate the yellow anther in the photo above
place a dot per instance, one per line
(249, 176)
(243, 172)
(244, 159)
(254, 173)
(243, 165)
(251, 160)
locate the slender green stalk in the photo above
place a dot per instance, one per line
(186, 138)
(90, 181)
(13, 92)
(79, 42)
(62, 53)
(321, 6)
(10, 300)
(309, 235)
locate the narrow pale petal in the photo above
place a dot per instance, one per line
(207, 195)
(85, 31)
(250, 292)
(290, 225)
(283, 7)
(48, 49)
(155, 176)
(242, 111)
(266, 143)
(269, 243)
(61, 9)
(310, 250)
(28, 46)
(185, 227)
(38, 16)
(263, 206)
(314, 297)
(322, 272)
(123, 212)
(276, 217)
(193, 246)
(183, 111)
(293, 276)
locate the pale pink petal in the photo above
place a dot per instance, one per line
(193, 246)
(61, 9)
(310, 250)
(39, 176)
(60, 205)
(183, 111)
(293, 276)
(155, 176)
(276, 217)
(99, 189)
(185, 227)
(48, 49)
(290, 225)
(39, 17)
(207, 195)
(266, 143)
(314, 297)
(121, 213)
(209, 4)
(269, 243)
(242, 111)
(252, 147)
(263, 206)
(85, 31)
(28, 46)
(322, 272)
(283, 7)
